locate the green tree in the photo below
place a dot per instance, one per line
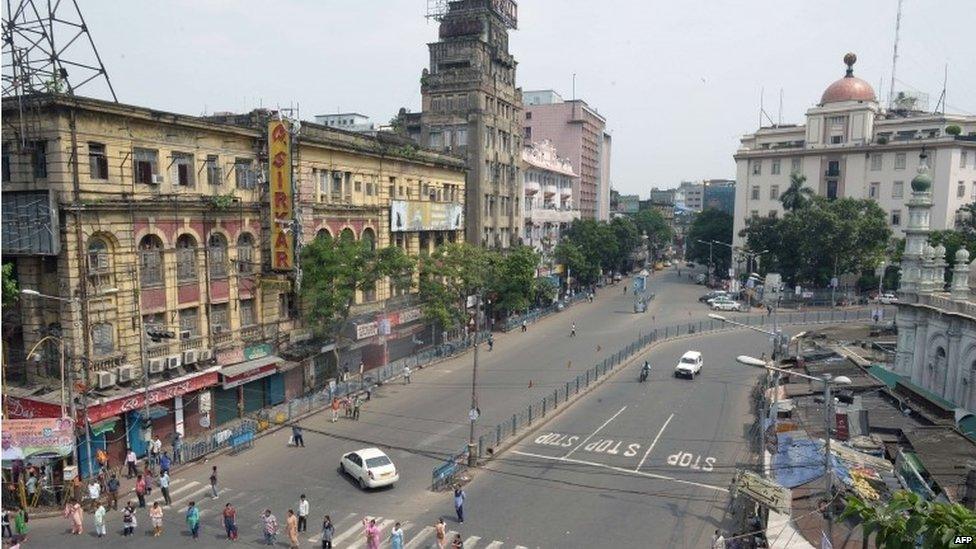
(513, 281)
(627, 238)
(448, 276)
(796, 196)
(711, 225)
(11, 290)
(906, 518)
(577, 263)
(652, 223)
(543, 291)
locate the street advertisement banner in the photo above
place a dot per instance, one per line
(409, 215)
(40, 437)
(282, 206)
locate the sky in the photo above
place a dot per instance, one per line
(679, 82)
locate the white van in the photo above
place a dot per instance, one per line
(689, 365)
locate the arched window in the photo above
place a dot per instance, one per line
(103, 339)
(151, 260)
(245, 254)
(323, 233)
(186, 258)
(347, 235)
(97, 256)
(218, 255)
(369, 238)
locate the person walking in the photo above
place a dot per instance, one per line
(525, 326)
(291, 527)
(156, 518)
(459, 496)
(164, 487)
(396, 537)
(491, 342)
(141, 490)
(270, 527)
(7, 532)
(296, 433)
(456, 543)
(156, 450)
(193, 519)
(355, 407)
(74, 514)
(335, 409)
(230, 521)
(177, 447)
(328, 531)
(718, 540)
(31, 486)
(147, 476)
(213, 482)
(372, 534)
(100, 520)
(94, 493)
(129, 521)
(406, 375)
(572, 330)
(164, 463)
(113, 492)
(302, 514)
(130, 463)
(440, 530)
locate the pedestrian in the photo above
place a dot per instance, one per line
(525, 326)
(347, 406)
(74, 514)
(396, 537)
(441, 533)
(7, 532)
(156, 518)
(193, 519)
(230, 521)
(372, 534)
(406, 375)
(213, 482)
(156, 450)
(291, 527)
(101, 457)
(718, 541)
(296, 433)
(491, 342)
(113, 492)
(769, 310)
(459, 503)
(270, 527)
(128, 519)
(147, 475)
(572, 330)
(141, 490)
(355, 407)
(130, 463)
(328, 530)
(335, 409)
(100, 520)
(164, 487)
(457, 543)
(302, 514)
(177, 447)
(31, 487)
(164, 463)
(94, 493)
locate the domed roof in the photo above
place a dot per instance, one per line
(849, 88)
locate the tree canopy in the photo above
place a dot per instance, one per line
(652, 223)
(711, 225)
(796, 196)
(906, 519)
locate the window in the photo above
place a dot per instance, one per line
(183, 165)
(190, 321)
(358, 186)
(795, 165)
(972, 195)
(755, 192)
(756, 167)
(97, 161)
(219, 319)
(144, 165)
(876, 162)
(963, 158)
(103, 339)
(39, 158)
(528, 132)
(961, 190)
(774, 192)
(775, 170)
(218, 255)
(156, 321)
(97, 256)
(244, 176)
(831, 189)
(213, 170)
(151, 261)
(528, 116)
(369, 188)
(186, 258)
(284, 305)
(246, 309)
(895, 218)
(874, 190)
(900, 161)
(245, 254)
(897, 189)
(336, 186)
(833, 168)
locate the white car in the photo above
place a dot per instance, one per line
(887, 299)
(726, 305)
(720, 297)
(370, 467)
(689, 365)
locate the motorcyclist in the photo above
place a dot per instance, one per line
(645, 371)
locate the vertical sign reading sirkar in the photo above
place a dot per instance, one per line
(282, 206)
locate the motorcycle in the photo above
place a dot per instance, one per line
(643, 375)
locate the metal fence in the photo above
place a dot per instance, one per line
(535, 315)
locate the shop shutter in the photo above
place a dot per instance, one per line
(253, 396)
(276, 389)
(225, 405)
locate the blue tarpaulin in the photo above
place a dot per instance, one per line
(799, 461)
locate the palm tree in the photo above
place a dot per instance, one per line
(796, 196)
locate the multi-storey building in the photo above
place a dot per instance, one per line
(349, 121)
(120, 220)
(549, 208)
(691, 195)
(578, 132)
(851, 147)
(628, 203)
(719, 194)
(471, 108)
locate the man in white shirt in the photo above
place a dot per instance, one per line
(156, 449)
(130, 462)
(303, 514)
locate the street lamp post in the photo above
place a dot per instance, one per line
(473, 412)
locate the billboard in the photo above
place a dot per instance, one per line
(409, 215)
(25, 438)
(282, 197)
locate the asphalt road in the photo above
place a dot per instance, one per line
(419, 424)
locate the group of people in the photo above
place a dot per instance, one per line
(351, 406)
(15, 524)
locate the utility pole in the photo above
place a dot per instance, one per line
(473, 413)
(828, 469)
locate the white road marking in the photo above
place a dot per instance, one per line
(415, 541)
(651, 447)
(357, 528)
(187, 486)
(383, 526)
(598, 429)
(317, 537)
(521, 547)
(405, 526)
(178, 502)
(622, 470)
(494, 545)
(471, 541)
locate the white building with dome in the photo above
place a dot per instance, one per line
(852, 147)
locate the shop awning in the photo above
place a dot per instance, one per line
(245, 372)
(103, 426)
(155, 412)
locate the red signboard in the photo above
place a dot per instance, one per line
(136, 401)
(843, 429)
(25, 408)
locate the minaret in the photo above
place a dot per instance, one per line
(960, 276)
(913, 275)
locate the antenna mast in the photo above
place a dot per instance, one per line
(894, 57)
(942, 97)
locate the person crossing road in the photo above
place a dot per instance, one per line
(572, 330)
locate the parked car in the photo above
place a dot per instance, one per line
(711, 295)
(689, 365)
(726, 305)
(700, 278)
(716, 299)
(887, 298)
(369, 467)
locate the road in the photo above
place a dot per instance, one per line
(419, 424)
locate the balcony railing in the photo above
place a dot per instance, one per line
(250, 333)
(190, 343)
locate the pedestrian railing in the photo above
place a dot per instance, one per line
(193, 449)
(535, 315)
(492, 437)
(447, 472)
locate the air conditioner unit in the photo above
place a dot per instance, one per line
(127, 373)
(157, 179)
(205, 355)
(173, 361)
(106, 379)
(157, 365)
(185, 334)
(190, 357)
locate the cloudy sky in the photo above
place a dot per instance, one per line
(679, 82)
